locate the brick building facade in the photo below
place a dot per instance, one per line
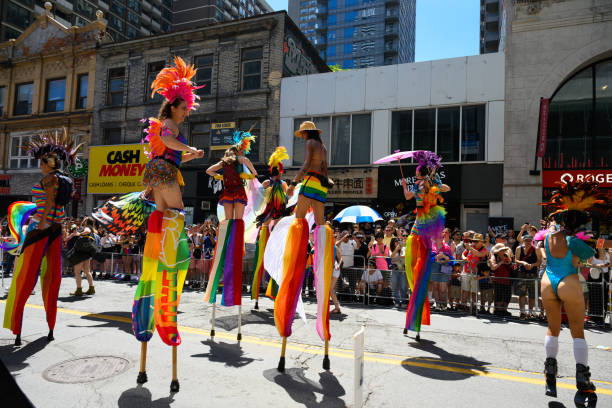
(241, 64)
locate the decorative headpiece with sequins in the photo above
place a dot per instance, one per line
(427, 159)
(277, 158)
(175, 82)
(243, 140)
(53, 141)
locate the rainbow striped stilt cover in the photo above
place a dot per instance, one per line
(262, 239)
(18, 214)
(42, 255)
(323, 266)
(294, 263)
(227, 261)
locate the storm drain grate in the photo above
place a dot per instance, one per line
(86, 369)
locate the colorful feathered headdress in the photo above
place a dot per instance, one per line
(53, 141)
(175, 82)
(276, 159)
(580, 196)
(243, 140)
(427, 159)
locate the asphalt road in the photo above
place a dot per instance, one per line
(460, 361)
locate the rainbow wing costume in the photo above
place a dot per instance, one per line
(18, 214)
(429, 224)
(125, 214)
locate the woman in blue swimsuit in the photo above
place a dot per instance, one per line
(561, 287)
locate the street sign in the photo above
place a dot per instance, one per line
(222, 135)
(358, 341)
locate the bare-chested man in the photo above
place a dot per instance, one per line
(314, 171)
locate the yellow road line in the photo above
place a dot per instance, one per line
(382, 358)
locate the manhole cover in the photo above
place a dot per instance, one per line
(86, 369)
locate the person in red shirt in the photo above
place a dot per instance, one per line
(474, 253)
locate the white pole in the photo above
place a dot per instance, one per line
(358, 343)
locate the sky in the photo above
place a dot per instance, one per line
(444, 28)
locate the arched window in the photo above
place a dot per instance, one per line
(580, 121)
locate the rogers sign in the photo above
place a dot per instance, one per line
(550, 178)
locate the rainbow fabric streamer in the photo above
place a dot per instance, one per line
(294, 263)
(256, 202)
(42, 252)
(428, 225)
(323, 266)
(227, 261)
(125, 214)
(165, 263)
(262, 240)
(272, 289)
(18, 214)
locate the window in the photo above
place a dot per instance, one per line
(116, 78)
(133, 18)
(134, 5)
(82, 84)
(204, 74)
(153, 69)
(332, 4)
(331, 35)
(23, 99)
(112, 136)
(2, 92)
(117, 8)
(131, 32)
(19, 158)
(167, 14)
(349, 32)
(56, 94)
(200, 136)
(351, 3)
(347, 137)
(350, 16)
(448, 134)
(331, 50)
(167, 3)
(85, 8)
(9, 33)
(115, 22)
(17, 15)
(349, 63)
(425, 129)
(401, 131)
(348, 48)
(331, 19)
(245, 125)
(473, 133)
(251, 68)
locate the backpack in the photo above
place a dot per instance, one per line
(65, 189)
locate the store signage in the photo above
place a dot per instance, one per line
(501, 225)
(79, 168)
(350, 183)
(116, 169)
(5, 183)
(222, 135)
(543, 127)
(551, 178)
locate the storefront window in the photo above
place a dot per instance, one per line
(473, 133)
(602, 128)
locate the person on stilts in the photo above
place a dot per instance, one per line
(313, 193)
(560, 284)
(276, 203)
(427, 228)
(229, 251)
(41, 245)
(166, 252)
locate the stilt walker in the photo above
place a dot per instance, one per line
(229, 251)
(573, 203)
(42, 243)
(166, 252)
(427, 227)
(313, 192)
(276, 203)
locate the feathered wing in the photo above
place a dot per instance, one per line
(153, 137)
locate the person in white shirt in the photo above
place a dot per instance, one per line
(371, 277)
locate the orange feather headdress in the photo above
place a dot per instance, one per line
(175, 82)
(580, 196)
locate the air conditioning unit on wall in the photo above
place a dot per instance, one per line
(205, 205)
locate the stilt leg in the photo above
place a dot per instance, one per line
(418, 336)
(50, 336)
(239, 337)
(256, 305)
(212, 329)
(142, 374)
(405, 331)
(326, 357)
(281, 362)
(18, 340)
(174, 385)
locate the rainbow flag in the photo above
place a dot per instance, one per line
(143, 323)
(18, 214)
(294, 263)
(218, 261)
(171, 272)
(323, 266)
(232, 269)
(41, 253)
(262, 239)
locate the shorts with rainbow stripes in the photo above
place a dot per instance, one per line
(312, 187)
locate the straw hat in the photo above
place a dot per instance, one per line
(306, 125)
(499, 248)
(477, 237)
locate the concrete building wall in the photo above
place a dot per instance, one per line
(546, 43)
